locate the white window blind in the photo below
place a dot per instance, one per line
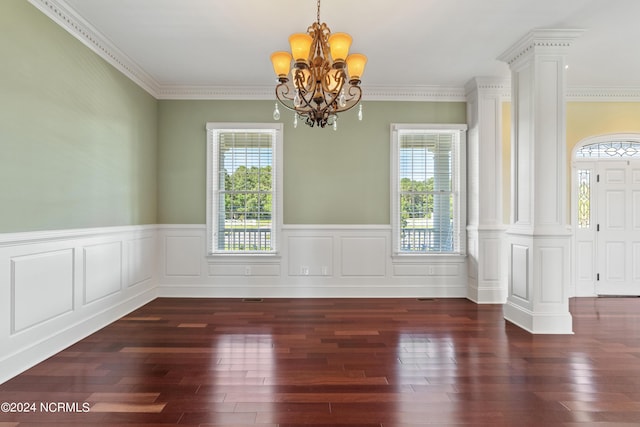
(243, 207)
(427, 191)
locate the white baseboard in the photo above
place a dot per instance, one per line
(487, 295)
(334, 291)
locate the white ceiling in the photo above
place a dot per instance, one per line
(444, 43)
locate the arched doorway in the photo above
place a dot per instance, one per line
(606, 215)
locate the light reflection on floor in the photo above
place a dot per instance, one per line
(245, 362)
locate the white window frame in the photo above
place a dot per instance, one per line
(459, 180)
(212, 185)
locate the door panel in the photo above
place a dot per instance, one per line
(618, 238)
(614, 207)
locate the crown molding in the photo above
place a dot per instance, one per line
(68, 19)
(217, 92)
(414, 93)
(603, 94)
(370, 93)
(557, 40)
(63, 15)
(489, 85)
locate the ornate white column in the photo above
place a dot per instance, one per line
(538, 237)
(485, 230)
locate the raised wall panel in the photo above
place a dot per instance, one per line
(242, 269)
(523, 149)
(42, 287)
(489, 200)
(472, 250)
(520, 271)
(410, 269)
(102, 270)
(363, 256)
(584, 260)
(547, 141)
(141, 255)
(551, 264)
(491, 251)
(424, 269)
(310, 255)
(183, 255)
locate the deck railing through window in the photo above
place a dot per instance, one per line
(247, 239)
(426, 240)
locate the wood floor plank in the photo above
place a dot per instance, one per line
(385, 362)
(127, 407)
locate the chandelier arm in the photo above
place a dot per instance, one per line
(353, 100)
(339, 77)
(283, 92)
(305, 100)
(332, 102)
(283, 95)
(288, 107)
(331, 97)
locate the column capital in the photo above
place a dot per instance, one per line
(556, 41)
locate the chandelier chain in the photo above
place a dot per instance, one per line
(318, 12)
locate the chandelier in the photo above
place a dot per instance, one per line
(325, 78)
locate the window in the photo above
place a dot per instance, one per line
(604, 150)
(428, 188)
(244, 182)
(584, 198)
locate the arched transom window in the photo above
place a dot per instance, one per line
(605, 150)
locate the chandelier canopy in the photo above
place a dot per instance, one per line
(325, 78)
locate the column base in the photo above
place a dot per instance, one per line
(538, 323)
(486, 255)
(486, 294)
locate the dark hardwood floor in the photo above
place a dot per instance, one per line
(333, 362)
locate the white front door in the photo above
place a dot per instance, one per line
(618, 228)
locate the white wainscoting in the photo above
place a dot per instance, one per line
(57, 287)
(487, 270)
(313, 261)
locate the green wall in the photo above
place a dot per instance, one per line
(78, 139)
(330, 177)
(81, 145)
